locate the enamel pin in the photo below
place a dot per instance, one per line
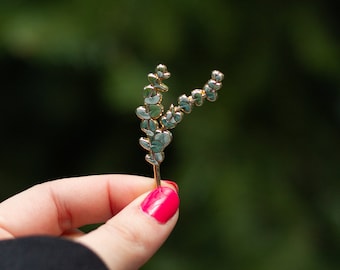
(156, 124)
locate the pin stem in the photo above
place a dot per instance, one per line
(157, 175)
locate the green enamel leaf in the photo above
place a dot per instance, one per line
(197, 96)
(151, 160)
(167, 124)
(153, 99)
(171, 118)
(164, 137)
(155, 159)
(162, 71)
(149, 133)
(214, 85)
(149, 91)
(142, 113)
(211, 96)
(157, 146)
(159, 157)
(185, 107)
(144, 125)
(217, 75)
(207, 88)
(178, 117)
(184, 103)
(153, 79)
(155, 111)
(145, 143)
(153, 125)
(162, 87)
(163, 75)
(149, 127)
(162, 68)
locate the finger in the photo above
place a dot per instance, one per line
(130, 238)
(72, 233)
(57, 206)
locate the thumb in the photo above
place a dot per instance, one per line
(130, 238)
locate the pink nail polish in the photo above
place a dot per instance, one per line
(162, 203)
(172, 184)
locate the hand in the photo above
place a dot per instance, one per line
(137, 221)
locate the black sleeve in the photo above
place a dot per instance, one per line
(47, 253)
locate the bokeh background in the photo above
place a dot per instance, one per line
(258, 170)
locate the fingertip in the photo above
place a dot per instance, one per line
(161, 204)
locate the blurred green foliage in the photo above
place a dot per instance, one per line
(259, 169)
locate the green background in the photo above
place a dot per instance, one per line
(258, 169)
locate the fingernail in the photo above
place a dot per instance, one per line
(172, 184)
(161, 204)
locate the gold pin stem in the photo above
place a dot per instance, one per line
(157, 175)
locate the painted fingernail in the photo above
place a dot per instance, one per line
(161, 204)
(172, 184)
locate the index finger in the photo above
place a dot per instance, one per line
(57, 206)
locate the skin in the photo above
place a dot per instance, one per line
(127, 239)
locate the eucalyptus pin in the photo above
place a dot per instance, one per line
(156, 124)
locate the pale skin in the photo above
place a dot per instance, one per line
(127, 239)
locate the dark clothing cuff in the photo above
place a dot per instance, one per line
(48, 253)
